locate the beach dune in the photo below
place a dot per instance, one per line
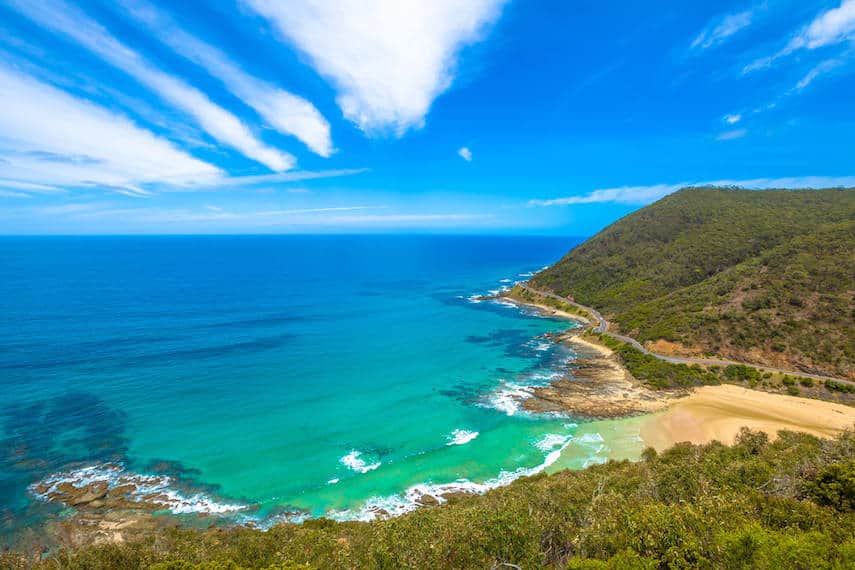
(719, 412)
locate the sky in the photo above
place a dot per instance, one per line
(411, 116)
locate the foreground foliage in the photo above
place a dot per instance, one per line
(759, 276)
(786, 504)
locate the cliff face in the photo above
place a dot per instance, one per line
(763, 276)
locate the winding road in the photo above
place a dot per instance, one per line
(603, 325)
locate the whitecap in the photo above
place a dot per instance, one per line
(507, 398)
(355, 462)
(151, 489)
(461, 437)
(552, 440)
(414, 497)
(333, 481)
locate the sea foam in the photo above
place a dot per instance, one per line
(355, 462)
(153, 489)
(461, 437)
(414, 497)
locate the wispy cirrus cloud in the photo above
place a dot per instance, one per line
(732, 135)
(65, 19)
(640, 195)
(50, 139)
(721, 29)
(819, 70)
(830, 27)
(465, 153)
(283, 111)
(389, 60)
(214, 218)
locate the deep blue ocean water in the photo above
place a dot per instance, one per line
(269, 375)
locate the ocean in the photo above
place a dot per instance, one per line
(268, 378)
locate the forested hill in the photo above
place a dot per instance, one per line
(762, 276)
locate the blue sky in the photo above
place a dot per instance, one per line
(486, 116)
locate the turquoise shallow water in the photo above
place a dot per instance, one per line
(268, 376)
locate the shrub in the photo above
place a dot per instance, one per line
(834, 386)
(835, 486)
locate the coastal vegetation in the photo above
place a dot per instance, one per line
(788, 503)
(526, 296)
(662, 375)
(755, 276)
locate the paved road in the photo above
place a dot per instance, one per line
(603, 325)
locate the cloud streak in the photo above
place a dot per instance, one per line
(388, 59)
(49, 138)
(722, 29)
(831, 27)
(640, 195)
(60, 17)
(287, 113)
(732, 135)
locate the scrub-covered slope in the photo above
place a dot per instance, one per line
(761, 276)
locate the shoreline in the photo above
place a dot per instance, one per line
(718, 413)
(597, 387)
(623, 417)
(698, 415)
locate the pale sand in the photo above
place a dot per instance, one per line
(719, 412)
(602, 349)
(551, 311)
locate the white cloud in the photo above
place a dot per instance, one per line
(213, 217)
(640, 195)
(622, 195)
(389, 59)
(225, 127)
(31, 187)
(49, 138)
(6, 194)
(820, 69)
(465, 154)
(732, 119)
(732, 135)
(284, 177)
(830, 27)
(724, 28)
(284, 111)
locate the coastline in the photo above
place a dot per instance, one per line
(602, 388)
(718, 413)
(599, 387)
(624, 417)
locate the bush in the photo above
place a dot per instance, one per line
(835, 486)
(742, 373)
(834, 386)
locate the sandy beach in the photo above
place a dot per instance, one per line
(719, 412)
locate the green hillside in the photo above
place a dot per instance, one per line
(761, 276)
